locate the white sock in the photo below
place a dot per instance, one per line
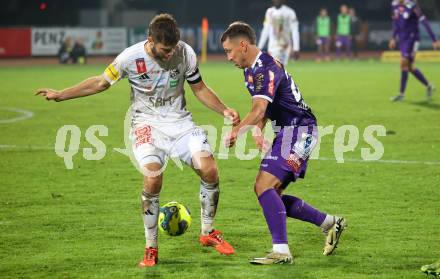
(329, 221)
(281, 248)
(209, 193)
(150, 215)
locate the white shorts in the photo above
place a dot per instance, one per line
(155, 144)
(281, 55)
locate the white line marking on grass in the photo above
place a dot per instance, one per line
(25, 114)
(403, 162)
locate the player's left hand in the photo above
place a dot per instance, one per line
(232, 115)
(436, 45)
(50, 94)
(230, 138)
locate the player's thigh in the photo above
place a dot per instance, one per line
(192, 147)
(150, 159)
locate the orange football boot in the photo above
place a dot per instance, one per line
(151, 257)
(216, 240)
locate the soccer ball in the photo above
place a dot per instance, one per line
(174, 218)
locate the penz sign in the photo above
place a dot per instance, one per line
(97, 41)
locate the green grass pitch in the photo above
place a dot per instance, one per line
(85, 222)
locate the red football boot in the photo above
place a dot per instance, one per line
(151, 257)
(216, 240)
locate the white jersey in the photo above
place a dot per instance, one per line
(157, 88)
(281, 28)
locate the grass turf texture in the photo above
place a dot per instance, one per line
(86, 222)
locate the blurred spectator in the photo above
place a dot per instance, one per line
(78, 53)
(323, 27)
(343, 34)
(98, 43)
(355, 29)
(65, 50)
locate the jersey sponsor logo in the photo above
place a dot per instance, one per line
(259, 82)
(143, 135)
(111, 72)
(161, 102)
(140, 66)
(174, 73)
(174, 83)
(271, 87)
(250, 82)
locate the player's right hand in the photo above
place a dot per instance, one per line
(232, 115)
(49, 94)
(436, 45)
(392, 44)
(262, 144)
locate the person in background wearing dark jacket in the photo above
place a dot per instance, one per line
(78, 53)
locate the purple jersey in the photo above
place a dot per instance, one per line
(406, 18)
(267, 79)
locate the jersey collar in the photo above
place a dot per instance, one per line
(256, 59)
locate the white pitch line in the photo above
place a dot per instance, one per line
(25, 115)
(403, 162)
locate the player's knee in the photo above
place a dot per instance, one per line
(404, 65)
(152, 184)
(209, 173)
(260, 188)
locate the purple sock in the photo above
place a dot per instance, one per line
(403, 80)
(275, 214)
(420, 77)
(299, 209)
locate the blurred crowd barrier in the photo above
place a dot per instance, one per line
(35, 41)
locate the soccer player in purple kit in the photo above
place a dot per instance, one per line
(407, 15)
(275, 96)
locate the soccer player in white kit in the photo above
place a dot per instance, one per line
(161, 126)
(282, 30)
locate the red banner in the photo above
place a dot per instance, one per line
(15, 42)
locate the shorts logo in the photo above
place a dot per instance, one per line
(140, 65)
(143, 135)
(307, 142)
(294, 162)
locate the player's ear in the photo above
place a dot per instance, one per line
(243, 45)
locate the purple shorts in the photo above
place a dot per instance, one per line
(291, 148)
(322, 41)
(343, 41)
(408, 48)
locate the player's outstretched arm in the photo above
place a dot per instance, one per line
(207, 97)
(87, 87)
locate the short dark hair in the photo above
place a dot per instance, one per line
(239, 29)
(163, 29)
